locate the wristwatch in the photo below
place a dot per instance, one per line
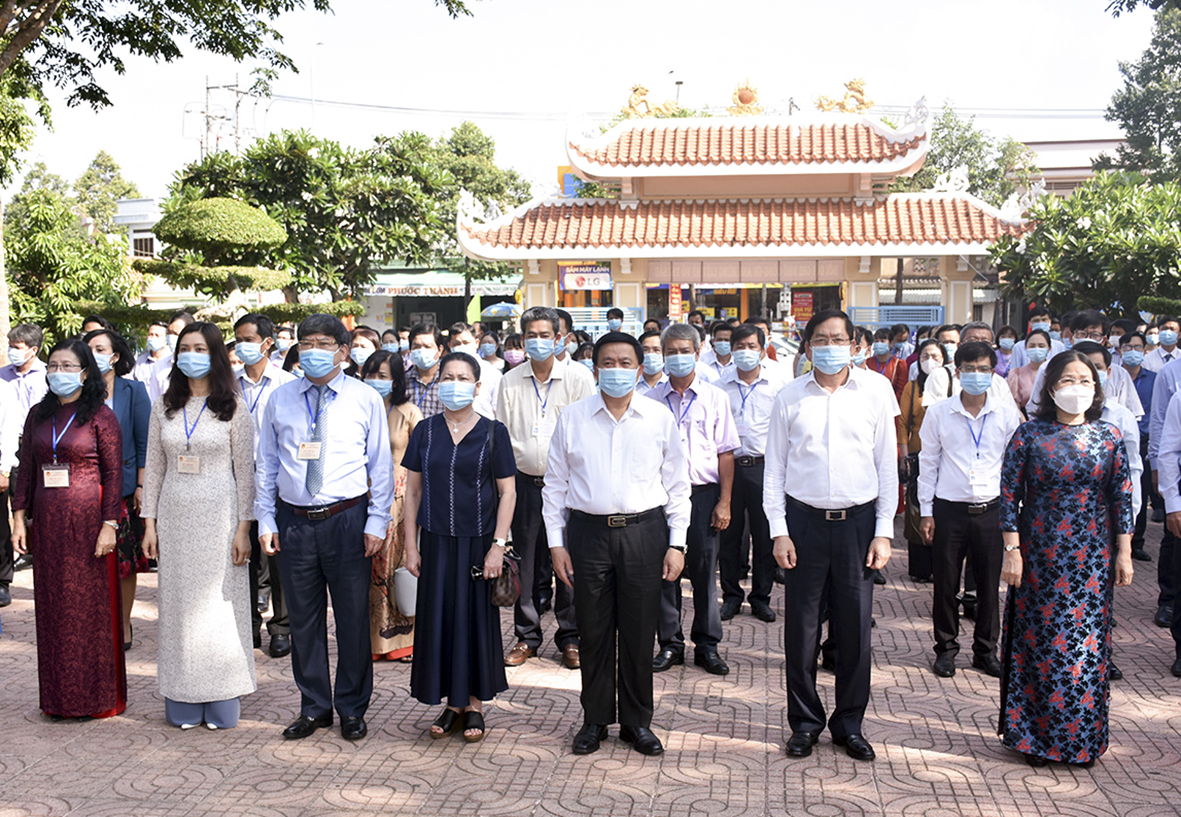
(682, 548)
(500, 543)
(1011, 548)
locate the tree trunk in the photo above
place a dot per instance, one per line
(5, 316)
(898, 283)
(467, 287)
(290, 295)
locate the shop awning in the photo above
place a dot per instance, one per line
(435, 284)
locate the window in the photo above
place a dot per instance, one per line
(143, 247)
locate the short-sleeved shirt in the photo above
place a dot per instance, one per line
(459, 496)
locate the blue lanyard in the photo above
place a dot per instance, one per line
(57, 437)
(976, 438)
(421, 396)
(684, 413)
(189, 431)
(266, 381)
(745, 395)
(548, 388)
(315, 419)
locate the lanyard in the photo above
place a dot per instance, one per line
(421, 392)
(684, 413)
(880, 367)
(976, 438)
(323, 408)
(548, 388)
(57, 437)
(745, 395)
(189, 431)
(266, 381)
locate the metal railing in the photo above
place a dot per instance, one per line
(874, 317)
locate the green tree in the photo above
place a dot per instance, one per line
(1114, 239)
(99, 189)
(1118, 7)
(1148, 107)
(996, 167)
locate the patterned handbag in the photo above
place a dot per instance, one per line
(506, 588)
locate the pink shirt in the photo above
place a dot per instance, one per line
(706, 425)
(1020, 382)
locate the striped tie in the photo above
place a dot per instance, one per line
(315, 478)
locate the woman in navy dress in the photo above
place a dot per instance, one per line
(1066, 495)
(461, 493)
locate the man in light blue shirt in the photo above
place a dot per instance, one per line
(324, 452)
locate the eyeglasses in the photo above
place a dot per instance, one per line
(63, 367)
(325, 345)
(1090, 335)
(976, 370)
(1070, 381)
(820, 340)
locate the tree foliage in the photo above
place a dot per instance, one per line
(997, 167)
(1118, 7)
(1115, 239)
(99, 189)
(1148, 107)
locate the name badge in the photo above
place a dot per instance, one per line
(56, 476)
(977, 477)
(545, 426)
(309, 451)
(188, 464)
(741, 426)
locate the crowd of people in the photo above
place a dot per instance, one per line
(286, 468)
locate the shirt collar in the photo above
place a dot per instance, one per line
(958, 406)
(632, 408)
(556, 372)
(334, 384)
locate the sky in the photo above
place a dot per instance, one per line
(523, 69)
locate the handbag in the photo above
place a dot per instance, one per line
(506, 588)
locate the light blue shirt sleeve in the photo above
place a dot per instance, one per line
(1168, 460)
(266, 472)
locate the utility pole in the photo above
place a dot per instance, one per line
(208, 118)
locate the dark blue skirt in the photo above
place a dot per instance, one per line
(457, 646)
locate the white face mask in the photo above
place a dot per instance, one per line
(929, 364)
(1074, 399)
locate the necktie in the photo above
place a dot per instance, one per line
(315, 478)
(1168, 356)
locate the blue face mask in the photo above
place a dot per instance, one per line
(1168, 337)
(423, 358)
(680, 365)
(1102, 379)
(248, 353)
(617, 382)
(155, 344)
(193, 364)
(831, 359)
(1055, 334)
(859, 358)
(539, 348)
(1044, 326)
(976, 383)
(403, 346)
(950, 348)
(172, 341)
(283, 344)
(457, 394)
(392, 348)
(487, 350)
(898, 347)
(317, 362)
(722, 348)
(103, 361)
(1132, 357)
(1036, 354)
(588, 363)
(614, 324)
(1008, 343)
(653, 363)
(747, 360)
(382, 387)
(359, 355)
(880, 347)
(571, 348)
(63, 384)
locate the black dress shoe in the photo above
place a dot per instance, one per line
(970, 610)
(5, 596)
(264, 601)
(1113, 672)
(353, 728)
(878, 578)
(856, 747)
(800, 743)
(1158, 514)
(988, 664)
(828, 663)
(1164, 616)
(730, 609)
(304, 726)
(762, 611)
(666, 659)
(1141, 555)
(641, 739)
(1035, 761)
(779, 575)
(280, 645)
(23, 562)
(944, 665)
(711, 662)
(257, 640)
(588, 738)
(1177, 668)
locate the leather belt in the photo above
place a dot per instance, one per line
(327, 511)
(831, 515)
(617, 520)
(747, 462)
(698, 489)
(538, 481)
(973, 508)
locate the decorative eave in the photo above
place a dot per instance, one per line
(930, 223)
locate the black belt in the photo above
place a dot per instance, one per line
(973, 508)
(830, 515)
(538, 481)
(697, 489)
(617, 520)
(327, 511)
(747, 462)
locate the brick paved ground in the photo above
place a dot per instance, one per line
(937, 749)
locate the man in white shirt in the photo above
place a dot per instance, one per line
(1092, 325)
(259, 380)
(752, 388)
(718, 358)
(460, 338)
(161, 372)
(158, 349)
(654, 373)
(830, 490)
(1168, 464)
(284, 339)
(1167, 332)
(964, 440)
(616, 508)
(532, 397)
(938, 380)
(24, 370)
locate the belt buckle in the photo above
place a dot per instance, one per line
(318, 514)
(617, 521)
(978, 508)
(745, 462)
(835, 516)
(539, 482)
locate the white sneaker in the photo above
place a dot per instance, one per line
(210, 726)
(189, 725)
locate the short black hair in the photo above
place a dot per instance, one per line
(651, 333)
(898, 328)
(1047, 410)
(565, 316)
(540, 313)
(827, 315)
(458, 328)
(1038, 311)
(719, 326)
(619, 337)
(651, 320)
(1125, 324)
(976, 350)
(733, 320)
(1090, 347)
(321, 324)
(264, 325)
(100, 320)
(614, 312)
(1007, 330)
(947, 327)
(181, 315)
(460, 357)
(1128, 336)
(698, 313)
(1043, 333)
(882, 333)
(161, 324)
(1090, 317)
(119, 346)
(431, 329)
(759, 320)
(397, 373)
(1163, 319)
(748, 330)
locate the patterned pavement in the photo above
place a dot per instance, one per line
(938, 753)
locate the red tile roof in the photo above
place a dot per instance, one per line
(931, 218)
(736, 143)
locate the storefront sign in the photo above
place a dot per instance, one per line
(674, 303)
(585, 276)
(801, 305)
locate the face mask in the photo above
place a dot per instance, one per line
(248, 353)
(929, 364)
(747, 360)
(588, 363)
(1133, 357)
(359, 355)
(722, 348)
(423, 358)
(1102, 379)
(950, 349)
(653, 363)
(539, 348)
(18, 356)
(103, 361)
(617, 382)
(317, 362)
(831, 359)
(155, 344)
(1036, 354)
(514, 356)
(1045, 327)
(898, 347)
(283, 344)
(859, 358)
(63, 384)
(392, 348)
(487, 350)
(1008, 343)
(467, 349)
(680, 365)
(457, 394)
(172, 341)
(1074, 399)
(403, 346)
(1055, 335)
(1168, 337)
(614, 324)
(880, 348)
(238, 370)
(382, 387)
(976, 383)
(572, 347)
(193, 364)
(1153, 338)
